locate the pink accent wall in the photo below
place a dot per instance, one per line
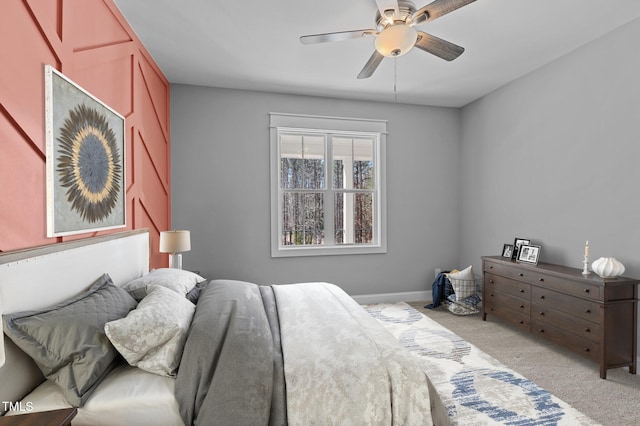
(91, 43)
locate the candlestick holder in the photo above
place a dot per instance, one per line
(585, 262)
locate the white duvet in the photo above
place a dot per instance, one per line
(359, 373)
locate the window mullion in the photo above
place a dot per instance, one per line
(329, 197)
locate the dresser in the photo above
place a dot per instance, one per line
(592, 316)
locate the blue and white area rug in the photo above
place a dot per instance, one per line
(473, 388)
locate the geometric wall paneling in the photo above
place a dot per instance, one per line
(153, 193)
(150, 168)
(93, 45)
(154, 139)
(143, 220)
(94, 25)
(22, 76)
(49, 16)
(158, 92)
(130, 156)
(112, 64)
(22, 174)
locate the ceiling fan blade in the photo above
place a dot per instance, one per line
(337, 36)
(438, 47)
(436, 9)
(371, 65)
(384, 5)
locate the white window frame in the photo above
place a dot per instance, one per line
(356, 127)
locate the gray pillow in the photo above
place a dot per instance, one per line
(67, 341)
(195, 292)
(178, 280)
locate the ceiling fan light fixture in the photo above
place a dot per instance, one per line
(396, 40)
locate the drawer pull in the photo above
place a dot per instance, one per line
(521, 306)
(522, 290)
(491, 281)
(541, 314)
(587, 330)
(491, 309)
(542, 330)
(521, 322)
(586, 290)
(491, 295)
(588, 311)
(541, 280)
(587, 350)
(490, 267)
(542, 297)
(521, 274)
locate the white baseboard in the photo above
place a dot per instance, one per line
(409, 296)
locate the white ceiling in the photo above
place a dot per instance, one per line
(255, 45)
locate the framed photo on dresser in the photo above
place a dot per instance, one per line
(517, 243)
(529, 254)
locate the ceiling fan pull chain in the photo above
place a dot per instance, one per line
(395, 79)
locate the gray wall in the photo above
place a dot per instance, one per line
(551, 156)
(220, 190)
(554, 156)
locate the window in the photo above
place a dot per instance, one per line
(327, 186)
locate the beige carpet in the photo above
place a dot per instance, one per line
(614, 401)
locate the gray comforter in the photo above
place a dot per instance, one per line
(298, 354)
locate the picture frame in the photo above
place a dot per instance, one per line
(507, 251)
(85, 160)
(529, 254)
(517, 243)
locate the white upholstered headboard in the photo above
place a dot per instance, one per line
(43, 276)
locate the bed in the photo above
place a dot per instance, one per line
(129, 346)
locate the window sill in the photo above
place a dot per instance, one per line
(299, 251)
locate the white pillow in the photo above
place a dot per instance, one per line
(178, 280)
(152, 336)
(463, 283)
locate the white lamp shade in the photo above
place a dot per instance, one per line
(396, 40)
(175, 241)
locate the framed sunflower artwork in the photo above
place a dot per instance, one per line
(85, 160)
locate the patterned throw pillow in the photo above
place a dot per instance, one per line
(152, 336)
(463, 282)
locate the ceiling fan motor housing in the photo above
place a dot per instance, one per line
(405, 8)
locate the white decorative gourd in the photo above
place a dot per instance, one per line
(607, 267)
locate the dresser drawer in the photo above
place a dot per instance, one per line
(589, 291)
(508, 271)
(552, 300)
(516, 319)
(535, 277)
(579, 345)
(507, 301)
(587, 329)
(499, 284)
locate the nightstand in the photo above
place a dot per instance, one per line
(42, 418)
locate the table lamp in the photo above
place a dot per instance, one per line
(174, 243)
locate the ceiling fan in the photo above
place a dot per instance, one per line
(395, 33)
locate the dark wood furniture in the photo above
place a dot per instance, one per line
(61, 417)
(592, 316)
